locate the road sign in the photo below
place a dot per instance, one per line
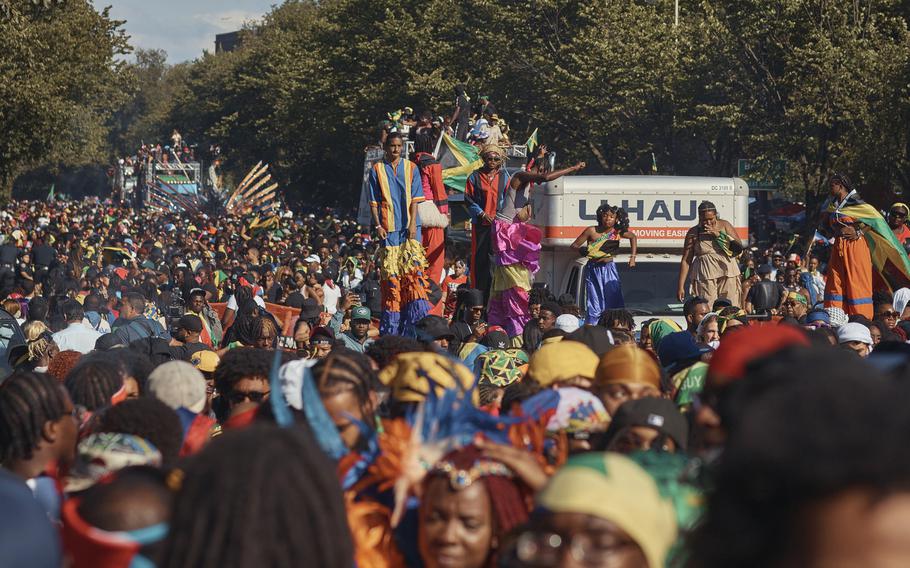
(762, 174)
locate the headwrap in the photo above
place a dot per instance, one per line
(410, 376)
(705, 321)
(104, 453)
(901, 206)
(613, 487)
(837, 316)
(562, 361)
(501, 367)
(628, 364)
(662, 328)
(578, 410)
(901, 299)
(494, 148)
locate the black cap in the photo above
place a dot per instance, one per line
(764, 269)
(431, 328)
(471, 297)
(658, 413)
(495, 339)
(597, 338)
(190, 323)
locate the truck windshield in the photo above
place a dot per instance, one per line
(650, 287)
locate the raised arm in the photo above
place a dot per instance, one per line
(522, 177)
(582, 239)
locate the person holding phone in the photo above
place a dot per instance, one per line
(709, 253)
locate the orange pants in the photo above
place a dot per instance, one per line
(849, 285)
(434, 242)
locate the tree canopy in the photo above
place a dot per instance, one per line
(817, 85)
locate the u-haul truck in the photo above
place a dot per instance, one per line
(661, 209)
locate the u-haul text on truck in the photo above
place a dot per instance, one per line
(661, 209)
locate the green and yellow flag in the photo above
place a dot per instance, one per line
(458, 161)
(888, 256)
(532, 141)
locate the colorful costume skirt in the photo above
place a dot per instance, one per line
(603, 289)
(403, 289)
(516, 247)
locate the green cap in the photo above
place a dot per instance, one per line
(361, 313)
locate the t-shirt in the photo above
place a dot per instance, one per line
(232, 302)
(451, 284)
(902, 234)
(331, 295)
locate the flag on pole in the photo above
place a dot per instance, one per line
(532, 141)
(50, 194)
(458, 160)
(653, 163)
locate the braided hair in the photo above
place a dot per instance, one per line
(259, 496)
(93, 381)
(345, 367)
(622, 217)
(27, 402)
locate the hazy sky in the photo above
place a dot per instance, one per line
(183, 28)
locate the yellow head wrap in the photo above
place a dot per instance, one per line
(409, 376)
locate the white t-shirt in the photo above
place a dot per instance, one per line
(331, 295)
(232, 303)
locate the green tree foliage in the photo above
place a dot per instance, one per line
(59, 83)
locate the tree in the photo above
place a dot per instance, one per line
(59, 82)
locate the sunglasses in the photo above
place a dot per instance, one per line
(891, 314)
(492, 158)
(238, 397)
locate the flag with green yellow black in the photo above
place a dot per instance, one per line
(458, 160)
(888, 256)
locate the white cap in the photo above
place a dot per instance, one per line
(854, 332)
(312, 258)
(567, 322)
(178, 384)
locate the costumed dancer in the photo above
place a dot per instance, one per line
(515, 243)
(710, 250)
(433, 210)
(599, 243)
(395, 192)
(863, 240)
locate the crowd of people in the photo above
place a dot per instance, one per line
(191, 390)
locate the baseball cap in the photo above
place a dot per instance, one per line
(495, 338)
(322, 335)
(431, 328)
(312, 258)
(658, 413)
(190, 323)
(854, 332)
(816, 317)
(678, 347)
(206, 361)
(361, 313)
(178, 384)
(764, 269)
(567, 322)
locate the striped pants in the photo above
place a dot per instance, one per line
(849, 284)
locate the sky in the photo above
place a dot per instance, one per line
(183, 28)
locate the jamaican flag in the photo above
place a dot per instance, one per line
(888, 256)
(458, 161)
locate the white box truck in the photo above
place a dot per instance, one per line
(661, 209)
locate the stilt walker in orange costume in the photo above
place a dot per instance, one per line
(433, 212)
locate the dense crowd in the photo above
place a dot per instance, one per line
(191, 390)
